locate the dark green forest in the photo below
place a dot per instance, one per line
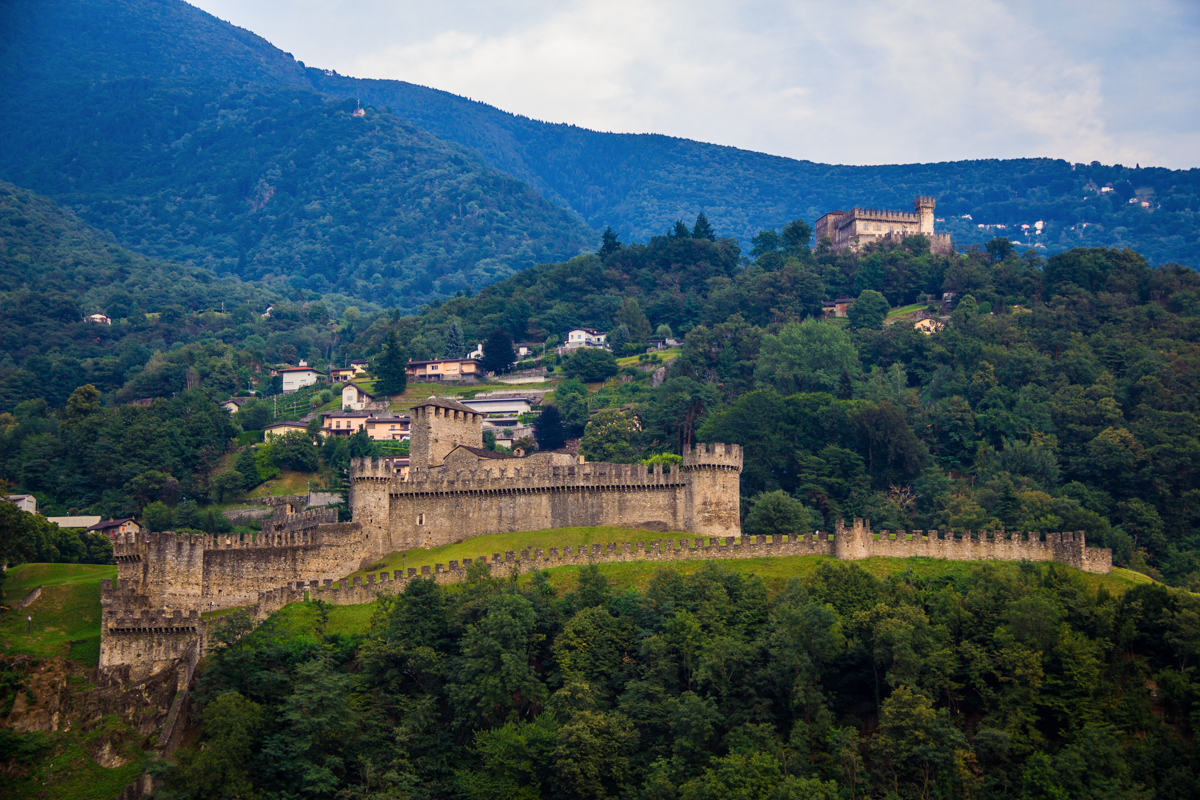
(266, 182)
(1021, 683)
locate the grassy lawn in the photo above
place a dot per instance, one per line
(503, 542)
(288, 482)
(903, 311)
(775, 571)
(663, 357)
(66, 618)
(416, 392)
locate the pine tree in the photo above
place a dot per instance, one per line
(634, 320)
(845, 386)
(703, 229)
(248, 468)
(498, 353)
(609, 242)
(390, 370)
(618, 337)
(548, 429)
(679, 231)
(455, 344)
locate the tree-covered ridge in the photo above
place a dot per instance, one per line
(56, 269)
(64, 55)
(981, 684)
(269, 181)
(1060, 393)
(640, 183)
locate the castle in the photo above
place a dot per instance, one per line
(154, 614)
(859, 226)
(456, 490)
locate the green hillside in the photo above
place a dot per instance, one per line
(641, 183)
(153, 121)
(241, 174)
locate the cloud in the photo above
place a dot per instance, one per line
(854, 82)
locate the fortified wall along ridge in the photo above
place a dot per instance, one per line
(153, 615)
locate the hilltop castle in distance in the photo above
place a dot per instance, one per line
(859, 226)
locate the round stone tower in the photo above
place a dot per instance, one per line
(712, 500)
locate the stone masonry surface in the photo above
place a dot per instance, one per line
(152, 614)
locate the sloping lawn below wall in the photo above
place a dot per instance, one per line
(776, 571)
(66, 617)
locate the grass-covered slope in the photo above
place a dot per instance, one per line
(66, 617)
(775, 570)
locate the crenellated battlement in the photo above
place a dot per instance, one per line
(880, 215)
(720, 456)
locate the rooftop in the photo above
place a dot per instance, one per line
(445, 402)
(482, 453)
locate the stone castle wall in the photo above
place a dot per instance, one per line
(439, 505)
(139, 637)
(435, 431)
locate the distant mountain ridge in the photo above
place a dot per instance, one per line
(245, 168)
(638, 184)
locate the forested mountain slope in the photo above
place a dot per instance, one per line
(89, 68)
(224, 161)
(641, 183)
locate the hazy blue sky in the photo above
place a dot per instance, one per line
(843, 82)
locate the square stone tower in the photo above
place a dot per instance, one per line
(438, 426)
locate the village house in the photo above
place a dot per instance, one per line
(282, 429)
(296, 378)
(355, 397)
(527, 349)
(112, 527)
(341, 374)
(25, 502)
(343, 423)
(389, 429)
(585, 337)
(839, 307)
(444, 369)
(234, 404)
(99, 319)
(511, 406)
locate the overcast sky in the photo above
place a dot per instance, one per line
(843, 82)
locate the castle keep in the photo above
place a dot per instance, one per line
(860, 226)
(456, 490)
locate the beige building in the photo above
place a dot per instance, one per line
(25, 502)
(296, 378)
(356, 398)
(861, 226)
(343, 423)
(282, 429)
(113, 527)
(388, 429)
(444, 369)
